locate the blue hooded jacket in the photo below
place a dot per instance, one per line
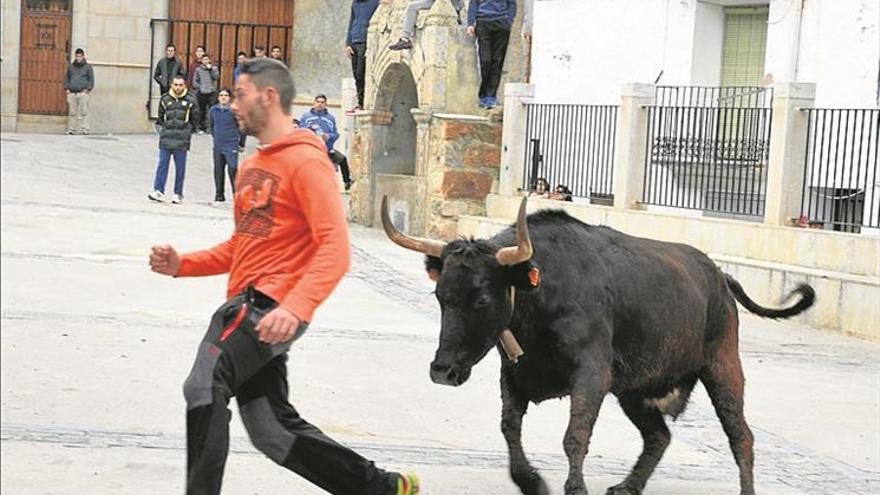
(491, 10)
(359, 20)
(224, 128)
(321, 122)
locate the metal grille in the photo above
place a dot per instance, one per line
(571, 145)
(222, 41)
(708, 148)
(841, 179)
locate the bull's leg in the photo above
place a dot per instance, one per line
(724, 382)
(589, 388)
(513, 408)
(655, 436)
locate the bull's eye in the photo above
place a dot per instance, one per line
(482, 302)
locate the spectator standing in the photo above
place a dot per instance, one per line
(178, 113)
(224, 130)
(167, 69)
(322, 123)
(79, 81)
(259, 51)
(275, 53)
(490, 21)
(205, 85)
(356, 44)
(194, 65)
(289, 250)
(409, 21)
(239, 59)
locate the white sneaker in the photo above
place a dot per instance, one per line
(156, 196)
(176, 199)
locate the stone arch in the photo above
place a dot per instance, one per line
(396, 96)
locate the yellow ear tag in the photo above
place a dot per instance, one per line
(535, 277)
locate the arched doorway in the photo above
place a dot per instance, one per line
(395, 149)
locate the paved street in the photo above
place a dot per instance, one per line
(95, 348)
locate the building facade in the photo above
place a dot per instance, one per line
(123, 40)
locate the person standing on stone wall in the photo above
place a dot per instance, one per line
(322, 123)
(167, 69)
(409, 21)
(178, 114)
(79, 80)
(490, 21)
(205, 85)
(356, 45)
(194, 65)
(289, 250)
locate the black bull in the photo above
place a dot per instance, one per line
(641, 319)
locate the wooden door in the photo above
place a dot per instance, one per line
(45, 54)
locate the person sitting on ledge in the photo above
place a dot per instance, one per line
(409, 21)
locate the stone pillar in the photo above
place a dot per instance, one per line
(368, 124)
(423, 139)
(346, 127)
(513, 146)
(788, 141)
(632, 133)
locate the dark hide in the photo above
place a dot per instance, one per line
(641, 319)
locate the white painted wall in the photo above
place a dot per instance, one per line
(584, 50)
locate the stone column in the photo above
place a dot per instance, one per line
(632, 133)
(346, 127)
(788, 141)
(513, 146)
(423, 139)
(367, 125)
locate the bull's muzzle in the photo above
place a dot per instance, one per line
(447, 374)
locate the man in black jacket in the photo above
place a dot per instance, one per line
(167, 69)
(178, 116)
(79, 80)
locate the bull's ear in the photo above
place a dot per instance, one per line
(433, 266)
(524, 276)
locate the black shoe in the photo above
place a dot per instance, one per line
(219, 198)
(402, 44)
(348, 186)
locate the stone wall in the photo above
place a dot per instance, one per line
(319, 62)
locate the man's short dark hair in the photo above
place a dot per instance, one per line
(226, 90)
(276, 46)
(241, 54)
(320, 96)
(178, 76)
(200, 46)
(260, 47)
(170, 45)
(79, 51)
(268, 72)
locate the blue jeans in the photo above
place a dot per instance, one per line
(179, 170)
(224, 161)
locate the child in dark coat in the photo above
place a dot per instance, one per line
(224, 129)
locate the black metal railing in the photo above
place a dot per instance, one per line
(841, 189)
(571, 145)
(708, 148)
(222, 41)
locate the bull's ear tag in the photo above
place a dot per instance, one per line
(433, 275)
(535, 277)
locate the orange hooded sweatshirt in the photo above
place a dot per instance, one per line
(291, 236)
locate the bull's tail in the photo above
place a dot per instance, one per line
(806, 293)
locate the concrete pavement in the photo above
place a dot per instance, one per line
(95, 349)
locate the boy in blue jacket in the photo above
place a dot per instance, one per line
(490, 21)
(224, 130)
(322, 123)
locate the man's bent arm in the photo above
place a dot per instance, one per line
(213, 261)
(315, 185)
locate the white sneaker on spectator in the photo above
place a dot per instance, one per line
(177, 199)
(156, 196)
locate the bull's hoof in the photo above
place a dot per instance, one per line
(622, 489)
(530, 482)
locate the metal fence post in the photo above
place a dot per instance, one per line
(513, 146)
(632, 133)
(788, 141)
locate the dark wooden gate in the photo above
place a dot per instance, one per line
(45, 53)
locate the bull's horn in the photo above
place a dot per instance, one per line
(426, 246)
(523, 250)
